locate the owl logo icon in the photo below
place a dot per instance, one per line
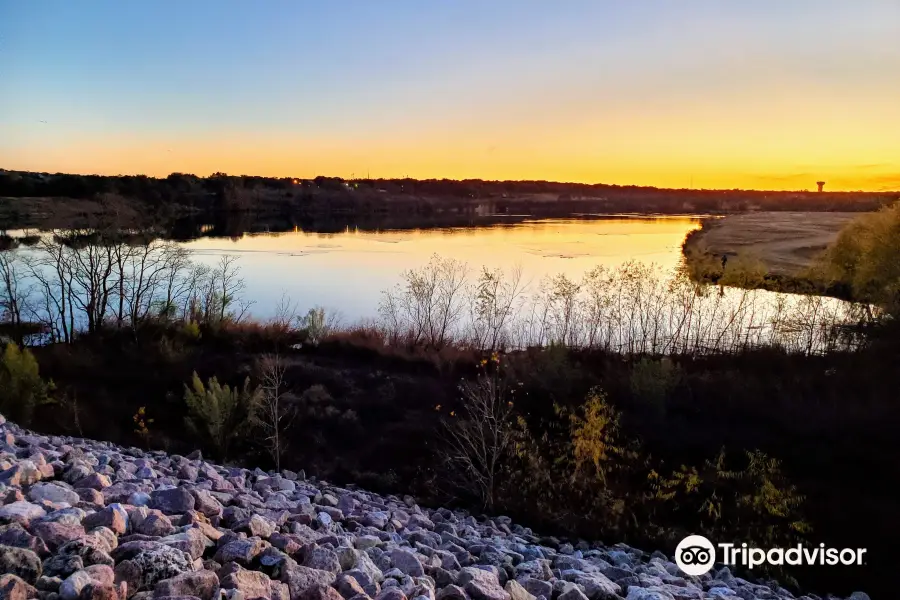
(695, 555)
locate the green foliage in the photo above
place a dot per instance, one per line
(652, 381)
(316, 325)
(754, 503)
(218, 413)
(191, 330)
(21, 386)
(583, 473)
(864, 257)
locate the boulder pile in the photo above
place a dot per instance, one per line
(88, 520)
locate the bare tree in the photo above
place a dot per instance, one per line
(230, 285)
(428, 305)
(13, 298)
(274, 415)
(481, 436)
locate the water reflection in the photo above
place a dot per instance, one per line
(347, 270)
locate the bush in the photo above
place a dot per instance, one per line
(21, 386)
(651, 383)
(864, 256)
(219, 413)
(754, 503)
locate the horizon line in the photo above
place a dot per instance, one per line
(474, 179)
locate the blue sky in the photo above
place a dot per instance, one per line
(636, 91)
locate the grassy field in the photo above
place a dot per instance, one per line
(786, 243)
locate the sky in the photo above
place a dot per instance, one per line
(707, 94)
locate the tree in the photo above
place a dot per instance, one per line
(21, 386)
(219, 413)
(480, 438)
(274, 415)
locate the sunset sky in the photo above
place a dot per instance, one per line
(765, 94)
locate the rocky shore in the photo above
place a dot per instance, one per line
(88, 520)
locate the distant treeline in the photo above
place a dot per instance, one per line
(224, 191)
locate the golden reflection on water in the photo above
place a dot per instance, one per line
(348, 270)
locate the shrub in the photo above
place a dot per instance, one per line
(21, 386)
(219, 413)
(317, 324)
(652, 381)
(755, 503)
(864, 256)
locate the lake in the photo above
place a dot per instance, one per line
(601, 281)
(346, 272)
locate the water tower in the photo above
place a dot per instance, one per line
(821, 184)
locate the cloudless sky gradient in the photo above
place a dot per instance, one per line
(768, 94)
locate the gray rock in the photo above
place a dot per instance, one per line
(516, 591)
(21, 512)
(319, 557)
(481, 584)
(299, 579)
(20, 562)
(172, 502)
(61, 565)
(147, 568)
(407, 562)
(53, 492)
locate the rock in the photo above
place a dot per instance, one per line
(407, 562)
(156, 525)
(90, 549)
(121, 523)
(172, 502)
(191, 541)
(391, 593)
(516, 591)
(299, 579)
(55, 533)
(240, 551)
(62, 565)
(639, 593)
(598, 587)
(573, 593)
(20, 562)
(348, 586)
(202, 584)
(482, 585)
(22, 474)
(53, 492)
(13, 587)
(206, 503)
(452, 592)
(113, 517)
(72, 586)
(21, 512)
(537, 587)
(94, 481)
(319, 557)
(48, 584)
(147, 568)
(15, 535)
(252, 584)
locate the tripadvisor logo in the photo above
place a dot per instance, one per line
(695, 555)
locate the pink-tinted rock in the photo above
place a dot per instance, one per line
(253, 584)
(15, 588)
(202, 584)
(55, 533)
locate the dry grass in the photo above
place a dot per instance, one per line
(785, 243)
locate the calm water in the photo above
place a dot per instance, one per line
(346, 272)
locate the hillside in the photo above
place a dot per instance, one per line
(86, 520)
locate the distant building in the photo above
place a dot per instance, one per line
(821, 184)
